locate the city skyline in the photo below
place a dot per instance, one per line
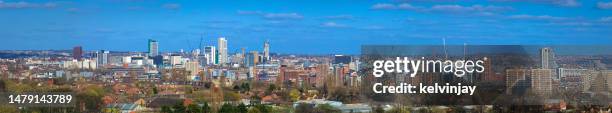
(319, 56)
(327, 28)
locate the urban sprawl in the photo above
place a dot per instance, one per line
(211, 79)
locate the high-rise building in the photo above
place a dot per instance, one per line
(546, 56)
(489, 74)
(158, 61)
(138, 60)
(194, 69)
(236, 59)
(548, 61)
(210, 55)
(541, 81)
(243, 55)
(176, 60)
(573, 79)
(77, 52)
(103, 57)
(195, 53)
(222, 44)
(587, 80)
(266, 51)
(608, 75)
(322, 72)
(126, 60)
(153, 47)
(601, 81)
(517, 81)
(252, 58)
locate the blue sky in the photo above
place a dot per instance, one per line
(307, 27)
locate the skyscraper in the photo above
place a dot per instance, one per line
(517, 81)
(193, 68)
(103, 57)
(210, 55)
(252, 58)
(195, 53)
(547, 56)
(601, 81)
(153, 47)
(544, 56)
(266, 51)
(541, 81)
(77, 52)
(222, 44)
(176, 59)
(572, 79)
(158, 61)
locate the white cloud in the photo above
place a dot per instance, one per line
(567, 3)
(442, 8)
(406, 6)
(564, 3)
(473, 8)
(373, 27)
(249, 12)
(604, 5)
(340, 17)
(283, 16)
(22, 4)
(74, 10)
(273, 16)
(573, 23)
(537, 17)
(387, 6)
(172, 6)
(384, 6)
(332, 24)
(135, 8)
(606, 19)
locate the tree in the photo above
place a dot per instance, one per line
(379, 109)
(166, 109)
(341, 94)
(242, 108)
(439, 110)
(294, 94)
(246, 86)
(207, 85)
(188, 89)
(179, 108)
(155, 91)
(303, 108)
(90, 97)
(105, 110)
(255, 99)
(254, 110)
(271, 88)
(232, 96)
(326, 108)
(201, 96)
(227, 108)
(263, 108)
(8, 109)
(398, 110)
(206, 108)
(237, 88)
(424, 110)
(458, 109)
(193, 108)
